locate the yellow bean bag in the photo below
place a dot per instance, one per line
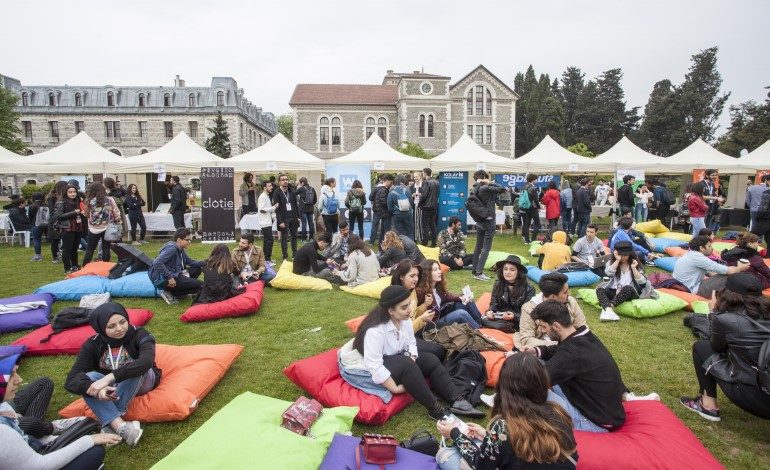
(370, 289)
(649, 235)
(651, 226)
(429, 253)
(685, 237)
(285, 279)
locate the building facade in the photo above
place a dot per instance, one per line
(333, 120)
(132, 120)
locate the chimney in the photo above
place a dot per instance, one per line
(415, 72)
(178, 82)
(390, 72)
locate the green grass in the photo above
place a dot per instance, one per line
(653, 355)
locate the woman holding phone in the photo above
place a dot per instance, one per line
(447, 307)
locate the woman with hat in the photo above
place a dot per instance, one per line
(509, 293)
(392, 356)
(740, 326)
(113, 367)
(447, 307)
(627, 281)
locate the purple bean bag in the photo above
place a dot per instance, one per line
(6, 351)
(342, 454)
(29, 318)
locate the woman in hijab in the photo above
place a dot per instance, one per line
(113, 367)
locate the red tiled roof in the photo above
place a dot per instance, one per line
(320, 94)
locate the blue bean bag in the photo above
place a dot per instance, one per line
(75, 288)
(659, 245)
(31, 318)
(667, 263)
(133, 285)
(342, 454)
(575, 278)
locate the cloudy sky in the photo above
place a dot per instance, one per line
(268, 47)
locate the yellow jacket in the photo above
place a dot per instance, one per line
(556, 252)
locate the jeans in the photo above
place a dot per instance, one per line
(553, 224)
(566, 219)
(641, 211)
(449, 458)
(403, 223)
(186, 285)
(307, 224)
(289, 230)
(450, 261)
(332, 222)
(697, 224)
(582, 219)
(267, 242)
(380, 225)
(37, 238)
(462, 314)
(356, 217)
(178, 217)
(137, 218)
(55, 245)
(69, 249)
(485, 232)
(579, 422)
(761, 228)
(529, 217)
(107, 410)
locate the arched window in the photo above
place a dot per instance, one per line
(25, 99)
(430, 125)
(323, 132)
(191, 100)
(220, 98)
(370, 129)
(51, 99)
(479, 100)
(336, 131)
(470, 102)
(142, 152)
(382, 129)
(110, 98)
(29, 152)
(167, 100)
(489, 103)
(78, 99)
(141, 100)
(422, 125)
(116, 152)
(336, 121)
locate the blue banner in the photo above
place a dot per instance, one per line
(345, 175)
(453, 190)
(517, 180)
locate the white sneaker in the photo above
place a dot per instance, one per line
(650, 397)
(61, 425)
(488, 400)
(608, 315)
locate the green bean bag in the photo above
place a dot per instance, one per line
(639, 308)
(495, 256)
(534, 246)
(247, 433)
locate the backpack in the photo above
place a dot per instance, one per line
(668, 198)
(763, 360)
(69, 317)
(308, 195)
(403, 201)
(524, 200)
(354, 202)
(42, 217)
(764, 203)
(469, 374)
(459, 337)
(332, 204)
(476, 208)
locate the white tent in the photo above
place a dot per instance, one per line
(625, 155)
(759, 159)
(466, 154)
(381, 156)
(548, 156)
(699, 154)
(278, 154)
(79, 155)
(179, 155)
(9, 160)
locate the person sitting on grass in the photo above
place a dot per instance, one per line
(397, 361)
(411, 249)
(338, 250)
(113, 367)
(447, 307)
(526, 430)
(391, 251)
(693, 266)
(588, 248)
(451, 243)
(510, 292)
(556, 252)
(626, 232)
(219, 277)
(250, 261)
(308, 260)
(553, 286)
(174, 271)
(626, 281)
(361, 266)
(740, 325)
(747, 248)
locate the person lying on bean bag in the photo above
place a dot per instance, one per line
(219, 278)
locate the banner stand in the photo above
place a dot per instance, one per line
(218, 204)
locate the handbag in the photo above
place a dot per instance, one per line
(378, 449)
(301, 415)
(71, 434)
(423, 442)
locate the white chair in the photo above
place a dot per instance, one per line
(24, 235)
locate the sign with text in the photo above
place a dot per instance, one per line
(218, 204)
(452, 192)
(517, 180)
(345, 175)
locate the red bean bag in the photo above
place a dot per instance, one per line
(686, 296)
(493, 360)
(652, 437)
(320, 377)
(354, 323)
(189, 374)
(238, 306)
(69, 341)
(94, 268)
(675, 251)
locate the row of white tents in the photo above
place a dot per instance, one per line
(81, 155)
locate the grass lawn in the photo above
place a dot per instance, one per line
(653, 355)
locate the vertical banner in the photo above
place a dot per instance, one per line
(453, 190)
(218, 204)
(345, 175)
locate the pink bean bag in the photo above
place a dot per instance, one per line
(238, 306)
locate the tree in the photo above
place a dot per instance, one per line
(286, 126)
(413, 149)
(699, 97)
(550, 121)
(749, 127)
(662, 130)
(572, 84)
(219, 142)
(581, 149)
(10, 134)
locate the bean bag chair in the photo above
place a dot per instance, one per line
(575, 278)
(483, 302)
(285, 279)
(651, 226)
(534, 246)
(342, 454)
(370, 289)
(686, 296)
(659, 245)
(247, 433)
(719, 247)
(8, 351)
(640, 308)
(320, 377)
(31, 318)
(70, 340)
(429, 253)
(666, 263)
(94, 268)
(238, 306)
(675, 251)
(493, 360)
(700, 306)
(354, 323)
(652, 437)
(495, 256)
(685, 237)
(189, 374)
(133, 285)
(648, 234)
(444, 268)
(74, 289)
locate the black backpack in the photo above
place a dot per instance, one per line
(763, 361)
(67, 318)
(469, 374)
(476, 208)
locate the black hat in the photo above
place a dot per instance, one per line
(511, 259)
(624, 247)
(392, 295)
(74, 183)
(744, 284)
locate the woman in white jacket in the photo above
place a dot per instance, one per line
(266, 210)
(329, 204)
(362, 265)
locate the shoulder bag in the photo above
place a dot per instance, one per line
(378, 449)
(301, 415)
(114, 232)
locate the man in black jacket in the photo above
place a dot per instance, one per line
(306, 200)
(286, 215)
(380, 212)
(531, 214)
(178, 202)
(626, 195)
(429, 206)
(309, 260)
(487, 191)
(581, 204)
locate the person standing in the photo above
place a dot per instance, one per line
(762, 218)
(178, 202)
(287, 215)
(486, 190)
(602, 193)
(266, 217)
(118, 194)
(355, 201)
(58, 193)
(581, 204)
(754, 197)
(699, 209)
(416, 188)
(248, 194)
(37, 230)
(566, 208)
(306, 201)
(712, 196)
(329, 205)
(529, 207)
(429, 206)
(552, 200)
(643, 198)
(380, 212)
(662, 199)
(101, 210)
(67, 221)
(626, 195)
(134, 204)
(400, 207)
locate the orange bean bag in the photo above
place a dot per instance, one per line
(444, 268)
(483, 302)
(94, 268)
(189, 374)
(494, 359)
(354, 323)
(686, 296)
(675, 251)
(766, 292)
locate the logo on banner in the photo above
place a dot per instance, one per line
(346, 182)
(217, 204)
(518, 180)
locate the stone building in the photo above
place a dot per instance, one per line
(332, 120)
(131, 120)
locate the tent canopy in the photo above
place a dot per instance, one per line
(627, 155)
(699, 154)
(466, 154)
(376, 152)
(277, 154)
(179, 155)
(79, 155)
(9, 160)
(759, 159)
(549, 156)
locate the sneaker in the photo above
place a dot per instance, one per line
(608, 314)
(481, 277)
(650, 262)
(137, 243)
(61, 425)
(630, 396)
(56, 261)
(168, 297)
(696, 405)
(130, 434)
(144, 242)
(463, 407)
(488, 400)
(37, 258)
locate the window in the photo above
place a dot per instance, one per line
(80, 126)
(369, 127)
(241, 134)
(335, 121)
(479, 100)
(470, 131)
(142, 152)
(27, 130)
(488, 139)
(51, 99)
(193, 129)
(25, 99)
(167, 100)
(191, 100)
(29, 152)
(116, 152)
(479, 134)
(422, 125)
(112, 130)
(78, 99)
(110, 98)
(489, 103)
(382, 130)
(54, 128)
(141, 100)
(430, 125)
(470, 102)
(143, 131)
(220, 98)
(323, 131)
(168, 126)
(336, 135)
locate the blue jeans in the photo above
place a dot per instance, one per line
(566, 219)
(449, 458)
(107, 410)
(641, 211)
(485, 232)
(697, 224)
(579, 422)
(379, 226)
(307, 224)
(462, 314)
(403, 223)
(581, 221)
(37, 237)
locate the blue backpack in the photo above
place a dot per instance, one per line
(332, 204)
(403, 201)
(524, 202)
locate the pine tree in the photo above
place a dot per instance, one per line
(10, 134)
(588, 116)
(572, 84)
(526, 109)
(219, 142)
(662, 130)
(615, 120)
(550, 121)
(699, 96)
(749, 127)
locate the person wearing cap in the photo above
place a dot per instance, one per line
(693, 266)
(740, 325)
(626, 281)
(553, 286)
(388, 350)
(113, 367)
(556, 252)
(510, 292)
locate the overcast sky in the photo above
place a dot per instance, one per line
(269, 47)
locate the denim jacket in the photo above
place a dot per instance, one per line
(352, 370)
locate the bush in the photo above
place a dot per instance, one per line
(46, 188)
(28, 189)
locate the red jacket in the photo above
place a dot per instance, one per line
(552, 201)
(697, 206)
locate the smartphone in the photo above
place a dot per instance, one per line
(112, 395)
(460, 424)
(499, 315)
